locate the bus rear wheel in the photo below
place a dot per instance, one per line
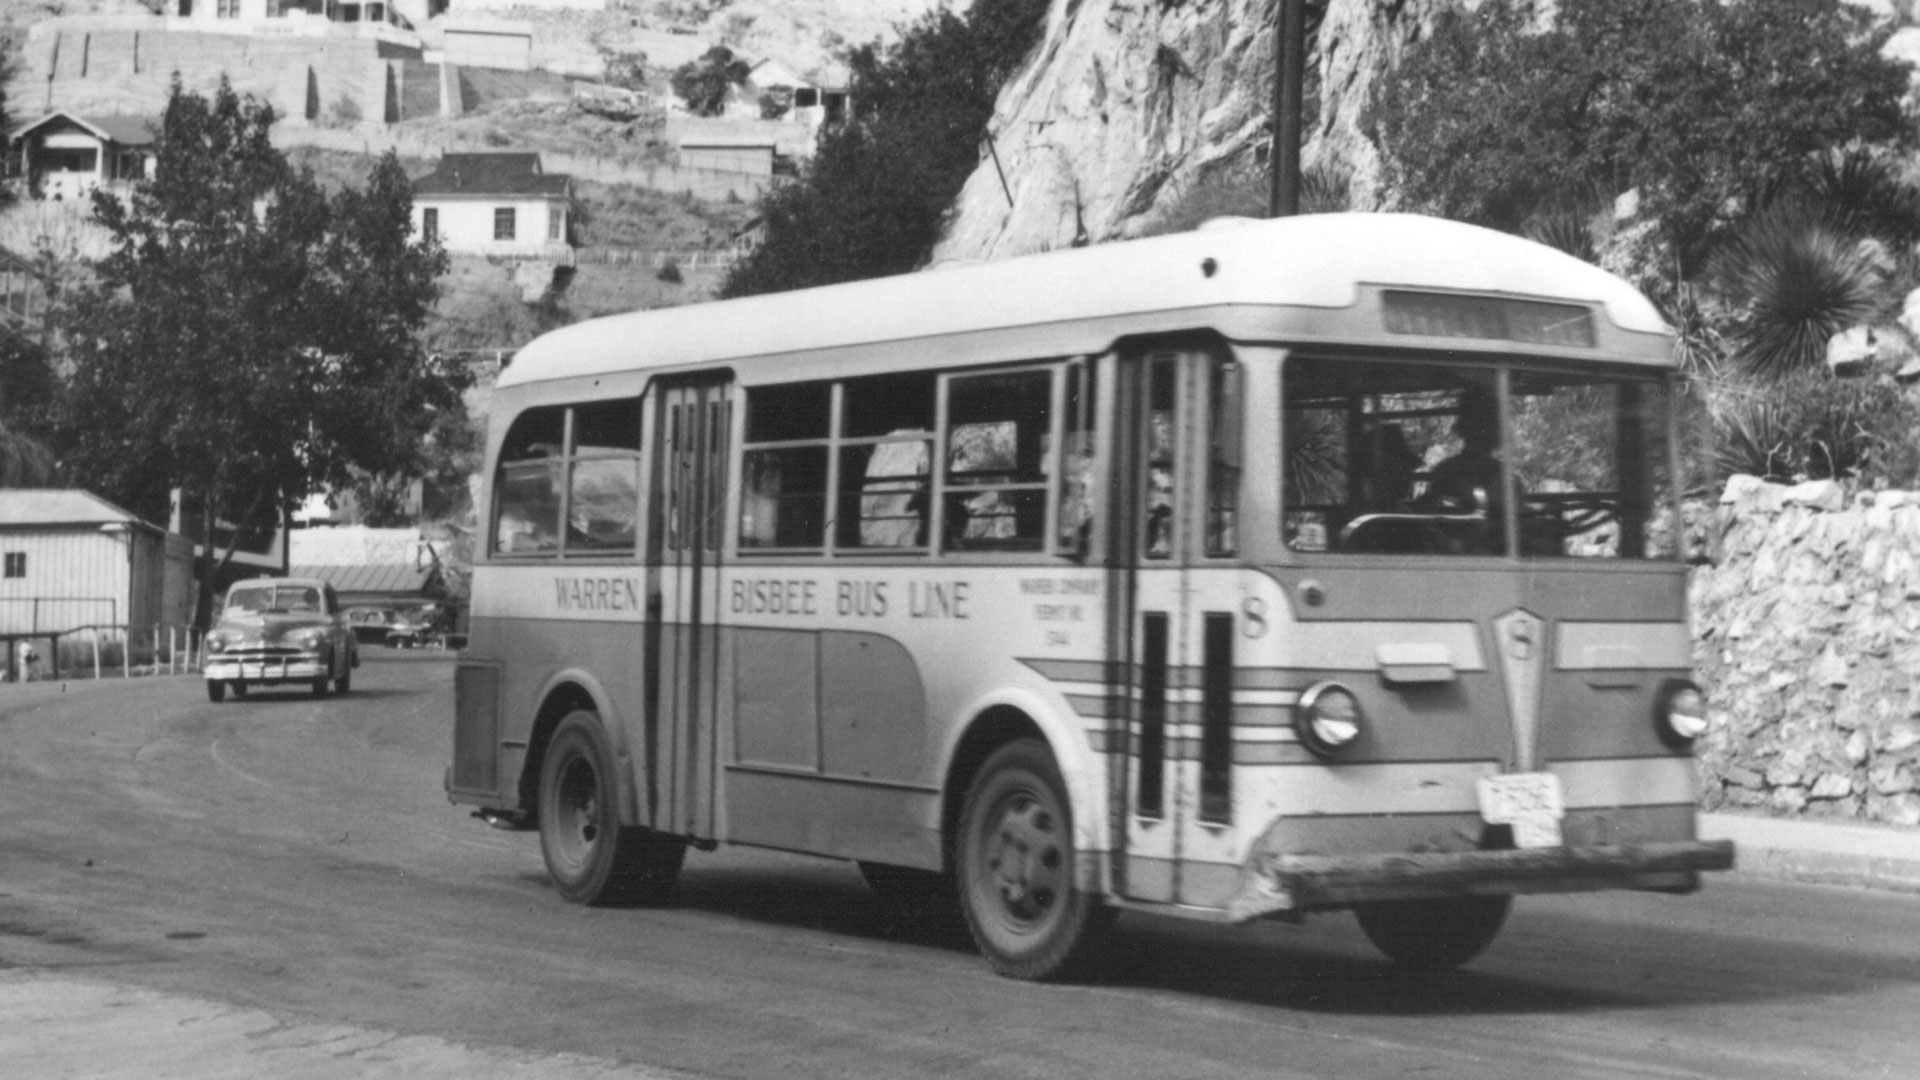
(591, 857)
(1434, 935)
(1016, 865)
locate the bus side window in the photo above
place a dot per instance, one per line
(783, 484)
(997, 467)
(603, 496)
(886, 461)
(526, 493)
(1078, 503)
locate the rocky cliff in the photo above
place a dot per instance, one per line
(1127, 103)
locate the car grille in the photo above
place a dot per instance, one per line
(261, 653)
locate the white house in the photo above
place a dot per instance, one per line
(751, 154)
(819, 97)
(70, 559)
(64, 155)
(499, 204)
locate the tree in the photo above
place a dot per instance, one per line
(250, 338)
(1701, 106)
(872, 200)
(705, 83)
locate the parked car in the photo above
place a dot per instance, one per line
(371, 624)
(414, 628)
(273, 631)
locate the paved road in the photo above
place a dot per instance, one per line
(277, 886)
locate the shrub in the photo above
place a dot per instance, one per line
(670, 273)
(1811, 426)
(1795, 279)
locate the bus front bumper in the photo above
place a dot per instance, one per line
(1273, 884)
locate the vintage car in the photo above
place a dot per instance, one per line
(370, 625)
(414, 628)
(273, 631)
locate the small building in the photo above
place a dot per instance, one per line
(485, 42)
(498, 204)
(64, 155)
(818, 98)
(71, 560)
(751, 155)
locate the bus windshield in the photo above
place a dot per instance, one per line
(1399, 457)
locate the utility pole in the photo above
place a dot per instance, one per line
(1289, 88)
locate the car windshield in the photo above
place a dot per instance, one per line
(274, 598)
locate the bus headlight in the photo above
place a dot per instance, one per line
(1680, 713)
(1327, 718)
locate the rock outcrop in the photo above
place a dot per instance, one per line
(1126, 103)
(1807, 641)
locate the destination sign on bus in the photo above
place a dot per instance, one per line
(1494, 318)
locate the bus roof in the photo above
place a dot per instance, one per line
(1248, 263)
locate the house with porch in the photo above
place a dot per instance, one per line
(65, 155)
(497, 204)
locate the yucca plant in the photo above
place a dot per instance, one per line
(1795, 277)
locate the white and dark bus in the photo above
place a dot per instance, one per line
(1280, 567)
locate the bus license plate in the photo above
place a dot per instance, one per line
(1530, 802)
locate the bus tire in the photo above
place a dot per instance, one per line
(591, 857)
(1016, 861)
(216, 691)
(1434, 935)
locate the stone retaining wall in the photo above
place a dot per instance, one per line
(1807, 641)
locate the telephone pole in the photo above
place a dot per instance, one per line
(1289, 88)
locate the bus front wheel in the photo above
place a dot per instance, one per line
(591, 857)
(1016, 867)
(1434, 935)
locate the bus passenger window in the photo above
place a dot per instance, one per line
(997, 462)
(783, 483)
(527, 501)
(527, 484)
(783, 498)
(1077, 497)
(603, 495)
(886, 461)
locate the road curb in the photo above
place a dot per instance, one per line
(1829, 853)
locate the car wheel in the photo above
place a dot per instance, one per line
(1017, 868)
(216, 690)
(320, 686)
(592, 858)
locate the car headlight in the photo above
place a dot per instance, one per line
(310, 639)
(216, 643)
(1327, 718)
(1680, 713)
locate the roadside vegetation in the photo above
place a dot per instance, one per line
(1746, 164)
(871, 200)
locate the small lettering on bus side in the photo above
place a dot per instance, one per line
(596, 594)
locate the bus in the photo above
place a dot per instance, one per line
(1275, 568)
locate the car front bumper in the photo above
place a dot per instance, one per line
(275, 669)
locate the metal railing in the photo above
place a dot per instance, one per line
(103, 651)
